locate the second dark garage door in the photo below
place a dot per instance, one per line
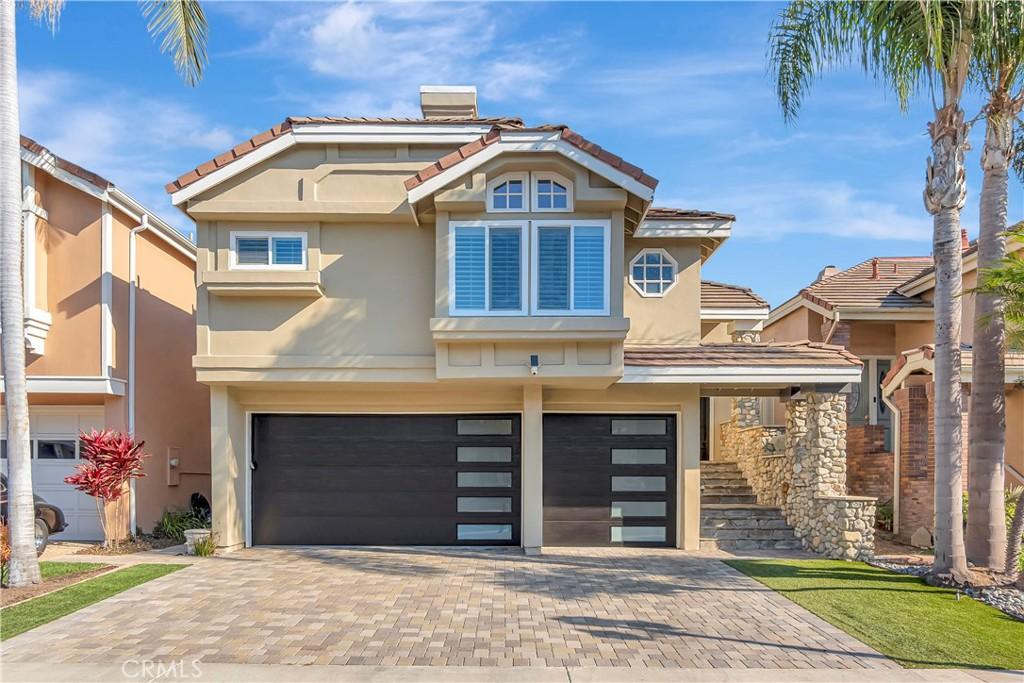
(609, 480)
(385, 479)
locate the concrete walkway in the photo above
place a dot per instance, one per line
(203, 672)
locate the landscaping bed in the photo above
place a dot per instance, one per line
(917, 625)
(28, 614)
(56, 575)
(140, 543)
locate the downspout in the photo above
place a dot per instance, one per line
(895, 460)
(132, 288)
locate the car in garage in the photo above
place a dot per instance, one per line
(49, 518)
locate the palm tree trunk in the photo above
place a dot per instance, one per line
(944, 198)
(24, 566)
(986, 520)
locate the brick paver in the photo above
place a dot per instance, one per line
(444, 607)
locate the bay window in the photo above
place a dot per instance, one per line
(570, 268)
(488, 276)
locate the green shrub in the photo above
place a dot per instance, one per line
(883, 515)
(205, 546)
(174, 523)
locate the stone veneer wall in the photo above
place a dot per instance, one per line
(802, 469)
(869, 466)
(916, 405)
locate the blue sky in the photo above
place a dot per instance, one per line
(680, 89)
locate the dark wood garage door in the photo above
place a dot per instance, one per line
(609, 480)
(385, 479)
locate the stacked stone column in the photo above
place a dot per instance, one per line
(746, 411)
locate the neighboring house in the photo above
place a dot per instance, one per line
(881, 310)
(458, 330)
(90, 365)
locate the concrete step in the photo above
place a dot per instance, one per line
(713, 522)
(723, 481)
(739, 510)
(741, 489)
(748, 534)
(727, 498)
(731, 544)
(719, 467)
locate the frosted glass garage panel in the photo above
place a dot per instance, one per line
(485, 427)
(636, 427)
(638, 508)
(484, 454)
(639, 456)
(484, 532)
(485, 480)
(638, 484)
(484, 504)
(638, 534)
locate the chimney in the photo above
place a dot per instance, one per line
(443, 101)
(827, 271)
(875, 275)
(965, 243)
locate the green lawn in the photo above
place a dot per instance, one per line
(53, 570)
(38, 611)
(901, 616)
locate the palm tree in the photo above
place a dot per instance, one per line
(907, 46)
(182, 26)
(999, 59)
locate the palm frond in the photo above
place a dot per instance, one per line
(47, 12)
(181, 26)
(1007, 283)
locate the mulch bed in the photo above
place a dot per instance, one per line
(138, 544)
(11, 596)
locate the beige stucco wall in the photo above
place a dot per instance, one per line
(798, 325)
(675, 317)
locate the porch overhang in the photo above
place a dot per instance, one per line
(743, 369)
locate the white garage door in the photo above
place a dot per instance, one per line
(54, 431)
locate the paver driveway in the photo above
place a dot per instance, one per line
(419, 606)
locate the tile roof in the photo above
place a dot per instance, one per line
(565, 133)
(721, 295)
(665, 213)
(861, 287)
(260, 139)
(789, 354)
(65, 165)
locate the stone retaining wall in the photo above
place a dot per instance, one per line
(802, 469)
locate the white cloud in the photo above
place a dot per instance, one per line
(771, 210)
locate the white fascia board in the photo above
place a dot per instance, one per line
(254, 157)
(107, 386)
(734, 313)
(47, 164)
(530, 142)
(799, 301)
(751, 374)
(158, 226)
(699, 228)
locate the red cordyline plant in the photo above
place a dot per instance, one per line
(112, 459)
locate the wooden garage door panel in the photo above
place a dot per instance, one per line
(373, 479)
(578, 475)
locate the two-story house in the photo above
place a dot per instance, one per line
(109, 327)
(458, 330)
(881, 310)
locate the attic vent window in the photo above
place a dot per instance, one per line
(652, 272)
(551, 192)
(509, 195)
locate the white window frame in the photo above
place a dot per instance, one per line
(606, 225)
(642, 254)
(524, 178)
(536, 177)
(524, 250)
(270, 235)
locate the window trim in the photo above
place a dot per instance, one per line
(270, 235)
(572, 224)
(524, 250)
(642, 254)
(536, 177)
(505, 177)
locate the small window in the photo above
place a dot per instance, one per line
(484, 532)
(508, 193)
(638, 534)
(652, 272)
(484, 504)
(638, 508)
(632, 427)
(638, 456)
(638, 484)
(551, 192)
(484, 454)
(258, 250)
(485, 427)
(55, 450)
(485, 480)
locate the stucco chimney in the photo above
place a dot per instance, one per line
(827, 271)
(965, 243)
(441, 101)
